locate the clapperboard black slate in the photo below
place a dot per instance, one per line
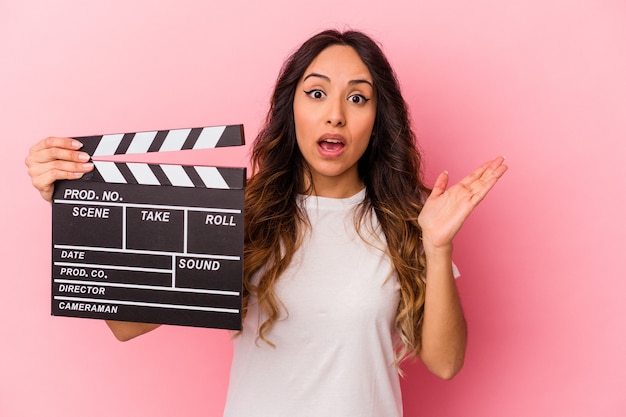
(152, 243)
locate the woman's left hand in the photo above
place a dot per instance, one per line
(446, 210)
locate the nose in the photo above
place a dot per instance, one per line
(335, 116)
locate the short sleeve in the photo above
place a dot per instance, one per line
(455, 271)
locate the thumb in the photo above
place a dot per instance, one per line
(440, 184)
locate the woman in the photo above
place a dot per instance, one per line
(348, 255)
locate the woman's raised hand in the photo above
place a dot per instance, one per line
(54, 159)
(446, 209)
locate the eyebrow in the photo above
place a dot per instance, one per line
(327, 78)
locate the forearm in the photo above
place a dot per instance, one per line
(444, 332)
(125, 330)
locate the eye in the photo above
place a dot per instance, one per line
(358, 99)
(315, 94)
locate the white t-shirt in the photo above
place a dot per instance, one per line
(334, 349)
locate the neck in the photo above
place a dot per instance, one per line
(334, 188)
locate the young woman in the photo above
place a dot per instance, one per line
(348, 255)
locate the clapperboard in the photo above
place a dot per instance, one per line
(154, 243)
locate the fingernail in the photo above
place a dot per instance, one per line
(77, 174)
(76, 144)
(83, 157)
(88, 165)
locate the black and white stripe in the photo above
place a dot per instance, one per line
(168, 174)
(163, 140)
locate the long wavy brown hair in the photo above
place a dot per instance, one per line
(390, 170)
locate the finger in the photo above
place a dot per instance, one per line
(493, 173)
(43, 176)
(441, 183)
(44, 180)
(500, 169)
(53, 154)
(51, 148)
(49, 177)
(476, 174)
(56, 142)
(484, 172)
(482, 187)
(59, 170)
(495, 167)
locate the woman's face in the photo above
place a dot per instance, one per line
(334, 110)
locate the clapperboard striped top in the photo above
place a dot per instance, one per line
(164, 141)
(167, 174)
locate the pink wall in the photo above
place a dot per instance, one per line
(541, 81)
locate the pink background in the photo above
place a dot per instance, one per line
(541, 81)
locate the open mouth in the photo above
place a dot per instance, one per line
(331, 145)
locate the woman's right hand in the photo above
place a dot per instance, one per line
(54, 159)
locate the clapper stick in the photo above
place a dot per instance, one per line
(155, 243)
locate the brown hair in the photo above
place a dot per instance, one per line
(390, 170)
